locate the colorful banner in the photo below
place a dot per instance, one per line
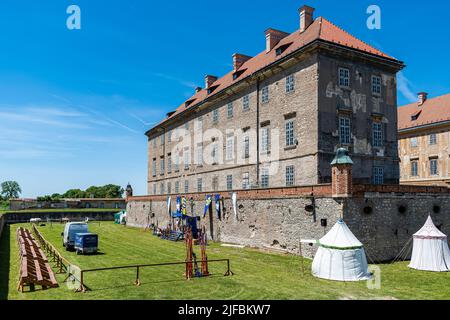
(184, 206)
(169, 205)
(217, 200)
(179, 205)
(234, 199)
(207, 205)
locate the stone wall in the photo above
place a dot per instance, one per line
(25, 217)
(2, 224)
(279, 218)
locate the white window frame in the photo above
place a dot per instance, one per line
(246, 145)
(377, 134)
(433, 139)
(229, 182)
(230, 110)
(265, 94)
(215, 115)
(376, 85)
(414, 142)
(265, 179)
(414, 168)
(177, 187)
(289, 127)
(246, 103)
(378, 175)
(199, 158)
(199, 185)
(265, 140)
(434, 167)
(290, 83)
(290, 176)
(186, 157)
(186, 186)
(230, 149)
(345, 130)
(169, 164)
(154, 168)
(344, 77)
(246, 181)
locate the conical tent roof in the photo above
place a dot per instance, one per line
(429, 231)
(340, 237)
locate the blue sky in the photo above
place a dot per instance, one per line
(75, 104)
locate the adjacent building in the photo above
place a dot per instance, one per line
(277, 119)
(87, 203)
(424, 141)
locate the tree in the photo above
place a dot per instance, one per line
(74, 194)
(11, 190)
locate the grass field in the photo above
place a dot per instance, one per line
(258, 275)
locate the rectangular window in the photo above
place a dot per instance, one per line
(264, 177)
(434, 167)
(162, 139)
(229, 182)
(154, 143)
(246, 147)
(246, 103)
(154, 189)
(377, 134)
(433, 139)
(290, 137)
(199, 185)
(200, 124)
(345, 130)
(169, 163)
(177, 134)
(376, 85)
(344, 77)
(177, 187)
(169, 187)
(290, 83)
(186, 128)
(230, 148)
(215, 183)
(265, 140)
(290, 176)
(230, 110)
(265, 94)
(154, 168)
(245, 181)
(186, 186)
(177, 162)
(200, 154)
(414, 142)
(162, 188)
(378, 175)
(215, 153)
(161, 166)
(414, 168)
(169, 136)
(215, 116)
(186, 158)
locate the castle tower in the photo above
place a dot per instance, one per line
(129, 191)
(342, 180)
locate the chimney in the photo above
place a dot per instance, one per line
(239, 60)
(342, 178)
(306, 17)
(423, 96)
(209, 80)
(198, 89)
(273, 37)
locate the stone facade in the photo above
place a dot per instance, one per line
(416, 148)
(32, 204)
(383, 218)
(266, 105)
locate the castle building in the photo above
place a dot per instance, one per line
(277, 119)
(424, 141)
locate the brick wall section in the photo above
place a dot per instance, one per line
(342, 182)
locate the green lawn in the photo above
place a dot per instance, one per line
(258, 275)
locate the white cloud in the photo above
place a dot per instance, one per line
(404, 86)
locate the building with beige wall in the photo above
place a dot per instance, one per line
(277, 119)
(424, 141)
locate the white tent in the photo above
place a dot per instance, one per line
(430, 250)
(340, 256)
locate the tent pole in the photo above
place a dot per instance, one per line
(301, 257)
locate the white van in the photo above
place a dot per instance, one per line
(70, 230)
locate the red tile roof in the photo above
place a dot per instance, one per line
(432, 111)
(320, 29)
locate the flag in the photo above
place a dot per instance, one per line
(207, 205)
(217, 198)
(169, 203)
(179, 205)
(234, 199)
(183, 206)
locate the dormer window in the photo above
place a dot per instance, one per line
(211, 90)
(189, 102)
(416, 116)
(237, 74)
(281, 49)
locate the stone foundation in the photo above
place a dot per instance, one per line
(383, 218)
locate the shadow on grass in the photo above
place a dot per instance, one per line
(4, 262)
(143, 284)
